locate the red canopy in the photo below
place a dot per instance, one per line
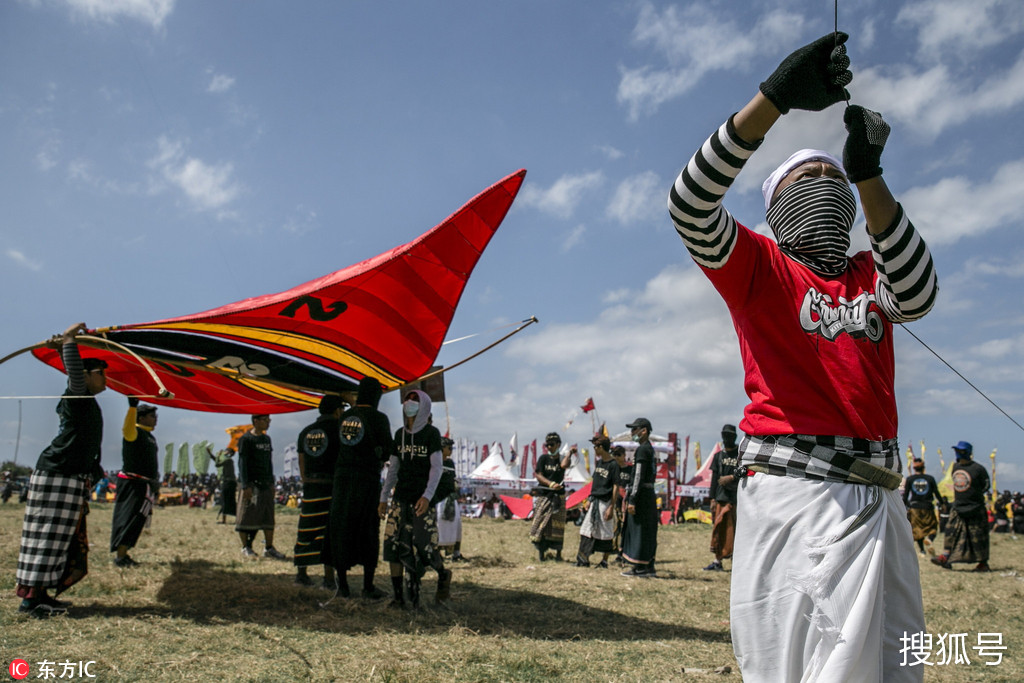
(385, 318)
(520, 507)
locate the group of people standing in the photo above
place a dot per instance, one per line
(622, 511)
(341, 457)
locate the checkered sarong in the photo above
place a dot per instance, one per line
(52, 513)
(824, 458)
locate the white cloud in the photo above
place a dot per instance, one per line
(209, 187)
(302, 220)
(639, 198)
(49, 151)
(667, 350)
(152, 12)
(998, 265)
(562, 198)
(24, 261)
(610, 152)
(219, 82)
(694, 41)
(931, 100)
(574, 237)
(949, 208)
(952, 28)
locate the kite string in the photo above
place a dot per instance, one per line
(958, 374)
(835, 32)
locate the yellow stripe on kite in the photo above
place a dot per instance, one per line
(316, 347)
(276, 391)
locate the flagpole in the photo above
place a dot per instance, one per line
(995, 490)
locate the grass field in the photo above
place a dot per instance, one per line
(196, 610)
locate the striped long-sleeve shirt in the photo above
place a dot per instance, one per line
(817, 350)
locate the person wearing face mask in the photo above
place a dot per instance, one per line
(724, 483)
(640, 540)
(414, 470)
(824, 531)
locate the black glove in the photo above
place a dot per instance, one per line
(811, 78)
(133, 402)
(865, 140)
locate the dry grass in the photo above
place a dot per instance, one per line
(196, 610)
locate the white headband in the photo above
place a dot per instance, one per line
(798, 158)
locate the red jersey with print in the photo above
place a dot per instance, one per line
(817, 351)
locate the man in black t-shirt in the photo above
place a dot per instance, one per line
(138, 482)
(967, 528)
(548, 528)
(621, 487)
(598, 528)
(724, 484)
(256, 489)
(414, 470)
(920, 493)
(641, 543)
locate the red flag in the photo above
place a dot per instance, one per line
(588, 406)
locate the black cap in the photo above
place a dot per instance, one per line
(90, 364)
(330, 402)
(144, 409)
(640, 422)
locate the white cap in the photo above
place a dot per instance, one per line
(798, 158)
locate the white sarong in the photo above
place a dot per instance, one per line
(595, 525)
(825, 583)
(449, 532)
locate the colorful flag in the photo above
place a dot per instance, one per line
(696, 454)
(588, 406)
(946, 484)
(513, 445)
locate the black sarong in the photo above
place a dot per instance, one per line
(132, 508)
(967, 537)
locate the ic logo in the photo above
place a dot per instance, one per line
(19, 669)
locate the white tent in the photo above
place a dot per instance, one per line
(494, 468)
(577, 473)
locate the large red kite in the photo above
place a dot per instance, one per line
(385, 317)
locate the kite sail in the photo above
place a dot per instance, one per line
(385, 318)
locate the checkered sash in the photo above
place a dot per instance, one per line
(51, 516)
(824, 458)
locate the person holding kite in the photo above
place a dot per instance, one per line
(825, 580)
(138, 482)
(54, 541)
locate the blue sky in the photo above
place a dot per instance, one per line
(162, 158)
